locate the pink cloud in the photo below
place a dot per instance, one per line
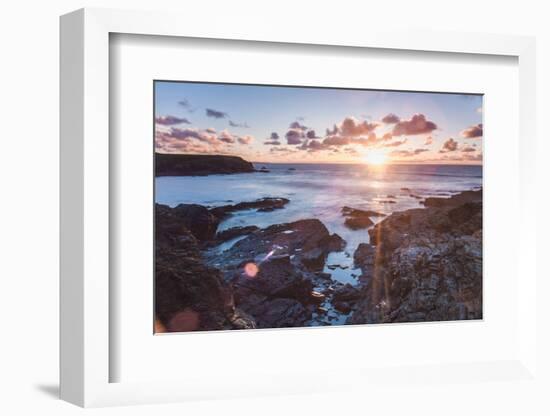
(418, 124)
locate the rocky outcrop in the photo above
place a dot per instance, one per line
(234, 232)
(276, 296)
(359, 219)
(199, 165)
(195, 218)
(424, 264)
(265, 280)
(354, 212)
(272, 271)
(189, 295)
(261, 205)
(308, 242)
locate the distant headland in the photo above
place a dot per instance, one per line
(199, 165)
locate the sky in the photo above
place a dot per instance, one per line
(317, 125)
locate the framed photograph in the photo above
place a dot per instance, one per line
(233, 207)
(347, 214)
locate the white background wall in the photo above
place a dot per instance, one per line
(29, 56)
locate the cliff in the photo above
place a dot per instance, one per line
(199, 165)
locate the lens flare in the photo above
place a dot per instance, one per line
(251, 270)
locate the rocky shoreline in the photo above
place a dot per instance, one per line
(420, 265)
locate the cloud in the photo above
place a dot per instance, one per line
(353, 127)
(396, 143)
(297, 125)
(450, 145)
(407, 153)
(243, 125)
(273, 139)
(226, 137)
(370, 140)
(203, 136)
(473, 132)
(333, 131)
(429, 140)
(188, 140)
(171, 120)
(416, 125)
(351, 150)
(466, 157)
(178, 140)
(187, 105)
(468, 149)
(281, 150)
(391, 119)
(479, 110)
(336, 141)
(245, 139)
(294, 136)
(311, 134)
(215, 113)
(313, 146)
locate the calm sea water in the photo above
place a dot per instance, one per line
(320, 191)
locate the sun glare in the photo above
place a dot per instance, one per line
(375, 157)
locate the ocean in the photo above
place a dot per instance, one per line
(320, 191)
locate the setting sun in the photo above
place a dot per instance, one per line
(375, 157)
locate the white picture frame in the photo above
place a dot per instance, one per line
(85, 208)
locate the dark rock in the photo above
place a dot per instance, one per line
(280, 313)
(354, 212)
(346, 293)
(455, 200)
(364, 257)
(262, 205)
(199, 165)
(343, 307)
(426, 265)
(234, 232)
(287, 258)
(308, 241)
(358, 218)
(189, 295)
(195, 218)
(358, 223)
(276, 278)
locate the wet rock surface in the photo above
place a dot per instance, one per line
(308, 242)
(194, 218)
(234, 232)
(189, 295)
(261, 205)
(357, 219)
(424, 264)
